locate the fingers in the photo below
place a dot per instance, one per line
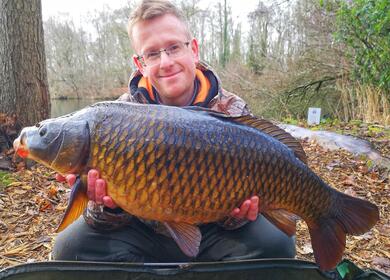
(108, 202)
(240, 213)
(93, 175)
(70, 179)
(97, 190)
(60, 178)
(253, 210)
(96, 187)
(100, 191)
(249, 209)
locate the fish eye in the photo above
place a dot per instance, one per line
(42, 131)
(37, 124)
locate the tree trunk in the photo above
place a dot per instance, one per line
(23, 80)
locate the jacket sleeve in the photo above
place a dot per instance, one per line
(232, 223)
(105, 219)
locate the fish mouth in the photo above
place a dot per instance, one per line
(20, 147)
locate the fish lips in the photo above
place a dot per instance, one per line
(20, 147)
(60, 144)
(32, 144)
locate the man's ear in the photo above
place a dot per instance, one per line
(139, 65)
(195, 49)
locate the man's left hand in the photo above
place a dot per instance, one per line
(249, 209)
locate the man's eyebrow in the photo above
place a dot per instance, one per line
(153, 49)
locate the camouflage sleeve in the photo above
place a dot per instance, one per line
(126, 97)
(106, 219)
(230, 104)
(232, 223)
(103, 218)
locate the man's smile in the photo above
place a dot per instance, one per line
(170, 75)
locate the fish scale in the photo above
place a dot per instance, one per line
(185, 167)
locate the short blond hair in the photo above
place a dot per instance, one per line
(149, 9)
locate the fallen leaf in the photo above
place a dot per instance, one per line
(363, 169)
(366, 236)
(374, 176)
(349, 181)
(385, 230)
(350, 191)
(307, 249)
(52, 192)
(381, 261)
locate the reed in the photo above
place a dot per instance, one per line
(364, 102)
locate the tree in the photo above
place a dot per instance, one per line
(66, 57)
(88, 62)
(23, 79)
(363, 25)
(259, 36)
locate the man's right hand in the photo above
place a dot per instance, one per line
(96, 188)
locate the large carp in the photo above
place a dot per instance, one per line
(188, 166)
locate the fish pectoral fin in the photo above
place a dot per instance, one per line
(283, 219)
(77, 203)
(186, 236)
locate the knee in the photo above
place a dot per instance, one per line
(68, 241)
(273, 242)
(283, 246)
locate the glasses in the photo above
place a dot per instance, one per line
(173, 51)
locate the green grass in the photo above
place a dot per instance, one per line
(5, 179)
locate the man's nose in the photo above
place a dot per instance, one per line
(165, 59)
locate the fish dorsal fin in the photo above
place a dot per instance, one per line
(262, 125)
(274, 131)
(187, 237)
(282, 219)
(77, 203)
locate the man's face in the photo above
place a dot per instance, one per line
(173, 78)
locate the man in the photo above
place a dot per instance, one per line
(169, 73)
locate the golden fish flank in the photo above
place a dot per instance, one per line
(185, 167)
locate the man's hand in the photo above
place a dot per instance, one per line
(249, 209)
(96, 188)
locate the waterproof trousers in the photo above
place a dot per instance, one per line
(139, 243)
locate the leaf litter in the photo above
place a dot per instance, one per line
(32, 205)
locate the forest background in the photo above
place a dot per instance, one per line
(288, 55)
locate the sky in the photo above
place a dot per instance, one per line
(79, 8)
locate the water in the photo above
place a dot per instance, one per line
(63, 107)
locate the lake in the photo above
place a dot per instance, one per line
(60, 107)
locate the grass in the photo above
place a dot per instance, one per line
(5, 179)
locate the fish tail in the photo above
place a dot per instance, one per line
(77, 203)
(349, 215)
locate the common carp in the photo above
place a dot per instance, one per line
(190, 166)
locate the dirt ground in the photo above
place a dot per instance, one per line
(33, 203)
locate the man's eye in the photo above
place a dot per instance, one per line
(152, 55)
(173, 48)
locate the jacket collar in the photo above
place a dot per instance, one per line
(207, 86)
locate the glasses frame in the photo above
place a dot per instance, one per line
(141, 58)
